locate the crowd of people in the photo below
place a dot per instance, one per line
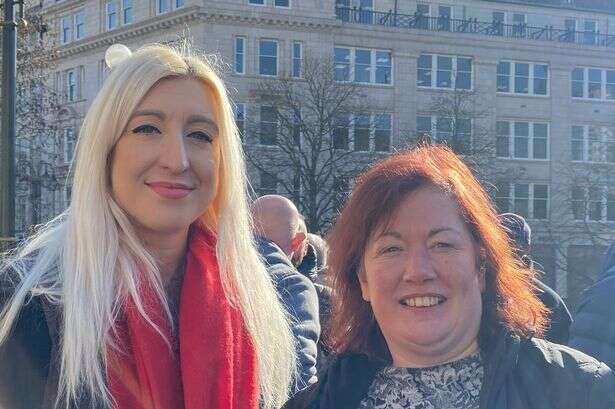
(163, 286)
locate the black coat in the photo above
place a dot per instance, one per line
(519, 374)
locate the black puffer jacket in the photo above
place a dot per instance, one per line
(519, 374)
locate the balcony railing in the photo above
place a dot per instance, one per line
(472, 26)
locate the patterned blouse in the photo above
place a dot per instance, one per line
(455, 385)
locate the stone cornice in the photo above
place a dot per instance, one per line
(128, 32)
(193, 13)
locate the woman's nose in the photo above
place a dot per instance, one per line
(173, 154)
(419, 267)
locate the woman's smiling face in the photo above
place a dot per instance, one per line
(164, 167)
(422, 278)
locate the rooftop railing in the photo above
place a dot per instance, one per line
(494, 28)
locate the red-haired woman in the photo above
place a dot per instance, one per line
(432, 309)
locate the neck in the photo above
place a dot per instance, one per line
(426, 361)
(169, 250)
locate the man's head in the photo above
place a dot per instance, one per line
(518, 231)
(277, 219)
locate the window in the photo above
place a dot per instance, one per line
(126, 11)
(341, 131)
(162, 6)
(268, 57)
(455, 133)
(268, 126)
(103, 72)
(590, 32)
(499, 18)
(441, 71)
(256, 2)
(570, 24)
(593, 203)
(592, 144)
(240, 55)
(240, 119)
(519, 26)
(363, 65)
(297, 59)
(523, 78)
(422, 16)
(367, 132)
(69, 144)
(444, 18)
(71, 85)
(382, 132)
(79, 25)
(281, 3)
(522, 140)
(111, 15)
(593, 83)
(530, 200)
(67, 30)
(268, 184)
(68, 192)
(179, 3)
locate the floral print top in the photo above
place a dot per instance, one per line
(454, 385)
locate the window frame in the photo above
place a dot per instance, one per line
(236, 54)
(586, 82)
(78, 14)
(586, 152)
(433, 132)
(373, 66)
(261, 4)
(68, 139)
(277, 57)
(295, 60)
(531, 78)
(71, 86)
(66, 28)
(512, 139)
(108, 14)
(350, 128)
(434, 69)
(260, 124)
(282, 7)
(604, 192)
(512, 198)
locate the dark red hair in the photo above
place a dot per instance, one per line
(508, 300)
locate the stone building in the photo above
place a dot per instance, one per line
(542, 72)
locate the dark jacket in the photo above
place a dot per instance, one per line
(298, 295)
(560, 318)
(29, 358)
(311, 267)
(519, 374)
(593, 329)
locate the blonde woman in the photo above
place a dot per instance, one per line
(147, 292)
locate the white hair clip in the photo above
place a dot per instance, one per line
(115, 54)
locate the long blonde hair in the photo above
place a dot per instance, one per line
(85, 259)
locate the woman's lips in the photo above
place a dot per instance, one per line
(170, 190)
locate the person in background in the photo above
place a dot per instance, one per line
(147, 292)
(593, 328)
(432, 309)
(280, 239)
(560, 319)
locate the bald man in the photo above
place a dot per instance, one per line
(280, 239)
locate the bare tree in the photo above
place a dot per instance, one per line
(37, 104)
(302, 142)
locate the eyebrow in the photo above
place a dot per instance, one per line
(397, 235)
(202, 119)
(442, 229)
(149, 112)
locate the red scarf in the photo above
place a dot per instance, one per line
(216, 367)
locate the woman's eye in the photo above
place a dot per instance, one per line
(200, 135)
(146, 129)
(390, 249)
(443, 245)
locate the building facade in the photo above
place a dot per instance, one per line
(541, 73)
